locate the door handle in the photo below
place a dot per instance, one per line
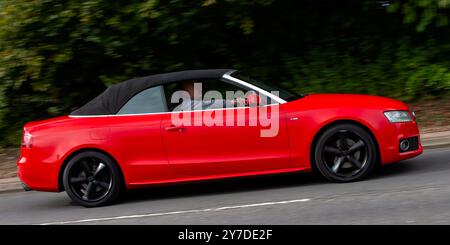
(175, 128)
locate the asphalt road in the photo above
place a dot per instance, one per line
(416, 191)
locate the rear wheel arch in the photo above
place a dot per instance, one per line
(338, 122)
(73, 154)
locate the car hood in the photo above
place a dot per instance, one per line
(351, 101)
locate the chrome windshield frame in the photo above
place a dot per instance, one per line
(227, 76)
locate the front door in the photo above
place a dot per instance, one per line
(233, 145)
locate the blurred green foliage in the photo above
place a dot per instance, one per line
(57, 55)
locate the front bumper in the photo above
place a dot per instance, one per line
(391, 138)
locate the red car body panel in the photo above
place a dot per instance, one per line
(235, 149)
(149, 154)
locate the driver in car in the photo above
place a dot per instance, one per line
(196, 102)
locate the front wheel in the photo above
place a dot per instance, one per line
(345, 153)
(92, 179)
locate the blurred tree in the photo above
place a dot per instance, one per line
(423, 12)
(56, 55)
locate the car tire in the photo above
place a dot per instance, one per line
(345, 153)
(92, 179)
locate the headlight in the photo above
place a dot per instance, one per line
(398, 116)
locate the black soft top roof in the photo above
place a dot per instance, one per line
(113, 98)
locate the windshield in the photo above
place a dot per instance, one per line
(269, 87)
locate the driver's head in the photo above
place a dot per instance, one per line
(189, 86)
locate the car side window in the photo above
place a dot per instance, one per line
(206, 85)
(150, 100)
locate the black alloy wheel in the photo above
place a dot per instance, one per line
(345, 153)
(92, 179)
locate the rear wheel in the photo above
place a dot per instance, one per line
(92, 179)
(345, 153)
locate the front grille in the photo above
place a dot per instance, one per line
(413, 143)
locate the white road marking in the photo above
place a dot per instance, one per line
(136, 216)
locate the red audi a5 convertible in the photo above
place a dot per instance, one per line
(209, 124)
